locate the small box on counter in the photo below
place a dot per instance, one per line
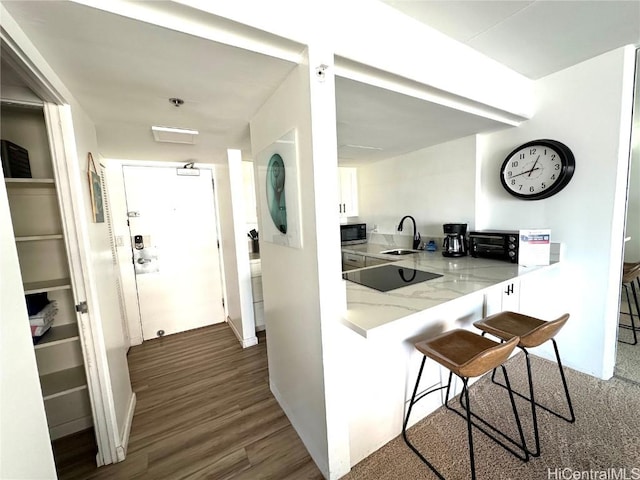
(534, 247)
(42, 321)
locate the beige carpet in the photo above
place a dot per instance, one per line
(628, 356)
(606, 434)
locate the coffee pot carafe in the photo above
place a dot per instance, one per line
(455, 241)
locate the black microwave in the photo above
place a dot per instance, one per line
(352, 233)
(496, 244)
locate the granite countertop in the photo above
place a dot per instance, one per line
(368, 309)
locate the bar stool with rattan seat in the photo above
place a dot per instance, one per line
(468, 355)
(631, 276)
(532, 332)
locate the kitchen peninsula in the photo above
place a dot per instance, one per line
(369, 309)
(383, 326)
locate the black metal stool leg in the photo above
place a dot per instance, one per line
(406, 421)
(465, 382)
(515, 414)
(532, 400)
(572, 417)
(524, 456)
(631, 327)
(534, 404)
(444, 350)
(635, 297)
(468, 418)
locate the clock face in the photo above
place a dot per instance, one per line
(537, 169)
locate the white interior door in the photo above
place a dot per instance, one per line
(172, 222)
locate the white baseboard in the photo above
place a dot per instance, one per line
(245, 342)
(260, 328)
(121, 450)
(250, 342)
(309, 445)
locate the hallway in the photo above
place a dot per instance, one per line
(204, 411)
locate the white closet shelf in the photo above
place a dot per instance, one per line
(58, 335)
(30, 182)
(63, 382)
(35, 238)
(47, 286)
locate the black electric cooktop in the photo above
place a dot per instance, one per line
(389, 277)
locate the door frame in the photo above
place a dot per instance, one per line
(62, 144)
(19, 53)
(117, 203)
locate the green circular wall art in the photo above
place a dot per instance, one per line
(275, 192)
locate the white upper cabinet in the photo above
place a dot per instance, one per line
(348, 191)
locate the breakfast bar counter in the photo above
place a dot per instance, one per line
(377, 333)
(369, 309)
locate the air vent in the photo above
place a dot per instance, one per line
(174, 135)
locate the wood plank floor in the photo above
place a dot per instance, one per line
(204, 411)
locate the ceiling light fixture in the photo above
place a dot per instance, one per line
(176, 101)
(174, 135)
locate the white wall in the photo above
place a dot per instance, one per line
(300, 285)
(290, 280)
(632, 248)
(115, 193)
(243, 320)
(587, 107)
(435, 185)
(103, 274)
(228, 244)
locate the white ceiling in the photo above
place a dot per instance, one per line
(123, 72)
(534, 38)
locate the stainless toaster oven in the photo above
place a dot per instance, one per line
(496, 244)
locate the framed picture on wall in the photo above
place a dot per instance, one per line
(279, 191)
(95, 190)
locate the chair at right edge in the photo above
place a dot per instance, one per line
(631, 276)
(533, 332)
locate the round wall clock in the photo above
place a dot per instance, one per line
(537, 169)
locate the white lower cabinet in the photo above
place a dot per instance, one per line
(351, 261)
(256, 287)
(503, 297)
(371, 261)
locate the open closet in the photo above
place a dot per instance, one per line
(44, 265)
(78, 343)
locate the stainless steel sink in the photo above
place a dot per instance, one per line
(399, 251)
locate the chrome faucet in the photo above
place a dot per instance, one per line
(416, 235)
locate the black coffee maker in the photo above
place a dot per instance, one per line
(455, 241)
